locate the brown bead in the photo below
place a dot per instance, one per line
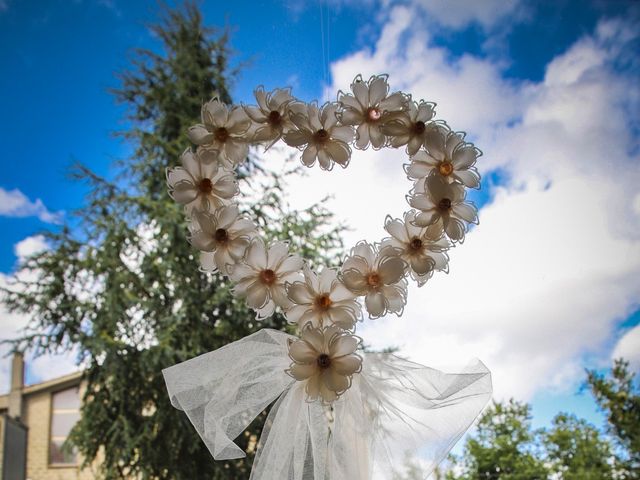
(373, 115)
(415, 244)
(275, 119)
(221, 134)
(205, 185)
(444, 205)
(419, 128)
(445, 169)
(374, 280)
(323, 302)
(324, 361)
(321, 136)
(221, 236)
(268, 276)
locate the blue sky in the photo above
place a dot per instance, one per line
(59, 58)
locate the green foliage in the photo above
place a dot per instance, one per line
(504, 447)
(618, 396)
(575, 450)
(122, 288)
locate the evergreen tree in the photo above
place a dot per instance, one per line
(575, 450)
(618, 396)
(122, 287)
(503, 448)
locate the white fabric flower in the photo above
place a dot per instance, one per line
(442, 206)
(222, 130)
(325, 359)
(448, 155)
(201, 183)
(261, 277)
(423, 253)
(317, 133)
(379, 276)
(222, 237)
(368, 108)
(271, 115)
(409, 127)
(322, 300)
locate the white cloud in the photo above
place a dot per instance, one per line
(30, 246)
(628, 347)
(41, 368)
(14, 203)
(555, 264)
(460, 13)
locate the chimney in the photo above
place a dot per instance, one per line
(17, 384)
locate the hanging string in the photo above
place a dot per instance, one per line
(322, 40)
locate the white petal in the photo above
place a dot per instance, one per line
(334, 381)
(339, 152)
(277, 253)
(184, 193)
(257, 255)
(236, 150)
(375, 304)
(378, 89)
(393, 102)
(376, 136)
(470, 177)
(309, 156)
(303, 371)
(354, 281)
(347, 365)
(296, 138)
(455, 229)
(421, 264)
(257, 295)
(291, 264)
(299, 293)
(464, 157)
(203, 242)
(361, 92)
(199, 135)
(397, 229)
(466, 211)
(342, 317)
(341, 345)
(391, 269)
(362, 136)
(434, 141)
(324, 160)
(343, 133)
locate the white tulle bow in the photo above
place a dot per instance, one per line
(394, 410)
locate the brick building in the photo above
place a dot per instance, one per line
(34, 422)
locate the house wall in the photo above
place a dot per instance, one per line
(1, 442)
(37, 415)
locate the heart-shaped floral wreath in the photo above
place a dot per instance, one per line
(325, 305)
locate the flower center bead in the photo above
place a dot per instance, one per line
(275, 118)
(321, 136)
(324, 361)
(205, 185)
(415, 244)
(419, 127)
(221, 134)
(221, 235)
(323, 302)
(373, 114)
(374, 280)
(444, 205)
(445, 169)
(268, 276)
